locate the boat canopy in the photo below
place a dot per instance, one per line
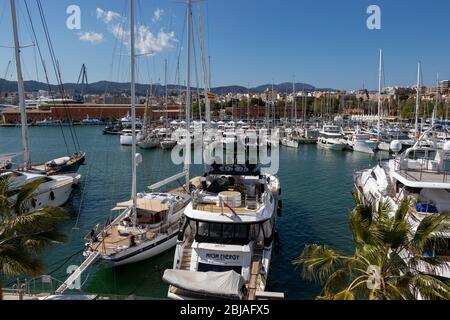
(221, 284)
(58, 161)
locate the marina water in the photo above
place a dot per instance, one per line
(316, 194)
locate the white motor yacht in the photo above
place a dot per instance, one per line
(331, 137)
(362, 142)
(420, 174)
(225, 244)
(54, 191)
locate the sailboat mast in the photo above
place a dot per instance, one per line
(416, 126)
(21, 90)
(294, 102)
(133, 108)
(187, 156)
(248, 105)
(165, 94)
(305, 100)
(433, 116)
(379, 94)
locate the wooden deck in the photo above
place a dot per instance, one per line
(255, 268)
(112, 242)
(211, 207)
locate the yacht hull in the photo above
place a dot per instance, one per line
(365, 146)
(165, 145)
(51, 196)
(143, 252)
(331, 146)
(148, 145)
(126, 140)
(289, 143)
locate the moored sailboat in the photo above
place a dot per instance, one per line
(147, 224)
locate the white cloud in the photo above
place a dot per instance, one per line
(91, 36)
(157, 14)
(146, 40)
(107, 16)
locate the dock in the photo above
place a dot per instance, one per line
(77, 273)
(303, 140)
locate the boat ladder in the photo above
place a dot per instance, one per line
(77, 273)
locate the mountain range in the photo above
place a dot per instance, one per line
(141, 89)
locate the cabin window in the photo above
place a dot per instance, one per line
(444, 249)
(241, 231)
(226, 233)
(215, 230)
(203, 229)
(149, 217)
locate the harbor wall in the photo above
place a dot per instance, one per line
(78, 112)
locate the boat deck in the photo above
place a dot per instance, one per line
(255, 269)
(113, 242)
(213, 208)
(425, 176)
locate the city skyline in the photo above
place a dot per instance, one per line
(322, 43)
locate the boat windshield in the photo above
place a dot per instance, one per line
(230, 233)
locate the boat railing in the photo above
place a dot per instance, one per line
(422, 166)
(30, 287)
(247, 201)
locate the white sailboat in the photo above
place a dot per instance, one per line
(54, 190)
(147, 225)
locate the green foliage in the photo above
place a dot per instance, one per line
(24, 233)
(382, 240)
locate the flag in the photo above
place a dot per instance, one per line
(224, 204)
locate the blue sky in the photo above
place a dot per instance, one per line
(323, 42)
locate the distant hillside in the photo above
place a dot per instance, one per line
(141, 89)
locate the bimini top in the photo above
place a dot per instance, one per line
(235, 169)
(220, 284)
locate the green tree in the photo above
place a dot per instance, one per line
(381, 240)
(24, 233)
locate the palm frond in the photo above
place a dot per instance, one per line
(430, 287)
(15, 261)
(318, 262)
(35, 243)
(336, 282)
(344, 295)
(32, 222)
(426, 230)
(363, 230)
(397, 235)
(402, 210)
